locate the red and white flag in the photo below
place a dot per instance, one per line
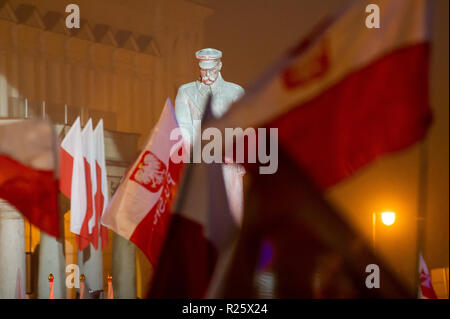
(348, 93)
(82, 167)
(101, 195)
(73, 179)
(28, 161)
(87, 228)
(202, 219)
(426, 290)
(140, 209)
(201, 238)
(343, 97)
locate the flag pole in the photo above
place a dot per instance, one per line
(421, 207)
(28, 258)
(374, 229)
(110, 288)
(445, 281)
(51, 294)
(82, 286)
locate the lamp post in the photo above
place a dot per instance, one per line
(387, 218)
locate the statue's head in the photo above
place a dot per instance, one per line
(210, 65)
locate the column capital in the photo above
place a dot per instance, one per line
(7, 211)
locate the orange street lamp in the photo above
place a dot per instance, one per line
(387, 218)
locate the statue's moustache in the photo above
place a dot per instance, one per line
(207, 80)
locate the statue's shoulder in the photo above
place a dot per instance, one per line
(233, 87)
(187, 87)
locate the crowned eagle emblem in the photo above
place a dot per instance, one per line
(150, 172)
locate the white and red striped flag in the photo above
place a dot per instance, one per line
(84, 181)
(426, 290)
(140, 209)
(73, 179)
(101, 195)
(87, 228)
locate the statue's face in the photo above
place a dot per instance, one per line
(209, 76)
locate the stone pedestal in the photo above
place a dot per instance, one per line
(12, 249)
(121, 151)
(51, 261)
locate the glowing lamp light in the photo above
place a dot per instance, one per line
(388, 218)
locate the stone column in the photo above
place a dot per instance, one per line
(67, 79)
(91, 265)
(27, 75)
(78, 90)
(123, 268)
(3, 84)
(13, 66)
(121, 151)
(51, 261)
(67, 82)
(41, 70)
(54, 81)
(12, 249)
(41, 90)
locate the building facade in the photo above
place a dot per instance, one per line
(126, 58)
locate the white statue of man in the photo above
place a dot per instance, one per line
(190, 105)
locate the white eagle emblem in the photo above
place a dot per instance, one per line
(150, 172)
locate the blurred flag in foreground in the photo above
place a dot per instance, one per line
(140, 208)
(201, 236)
(27, 172)
(346, 94)
(314, 252)
(426, 290)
